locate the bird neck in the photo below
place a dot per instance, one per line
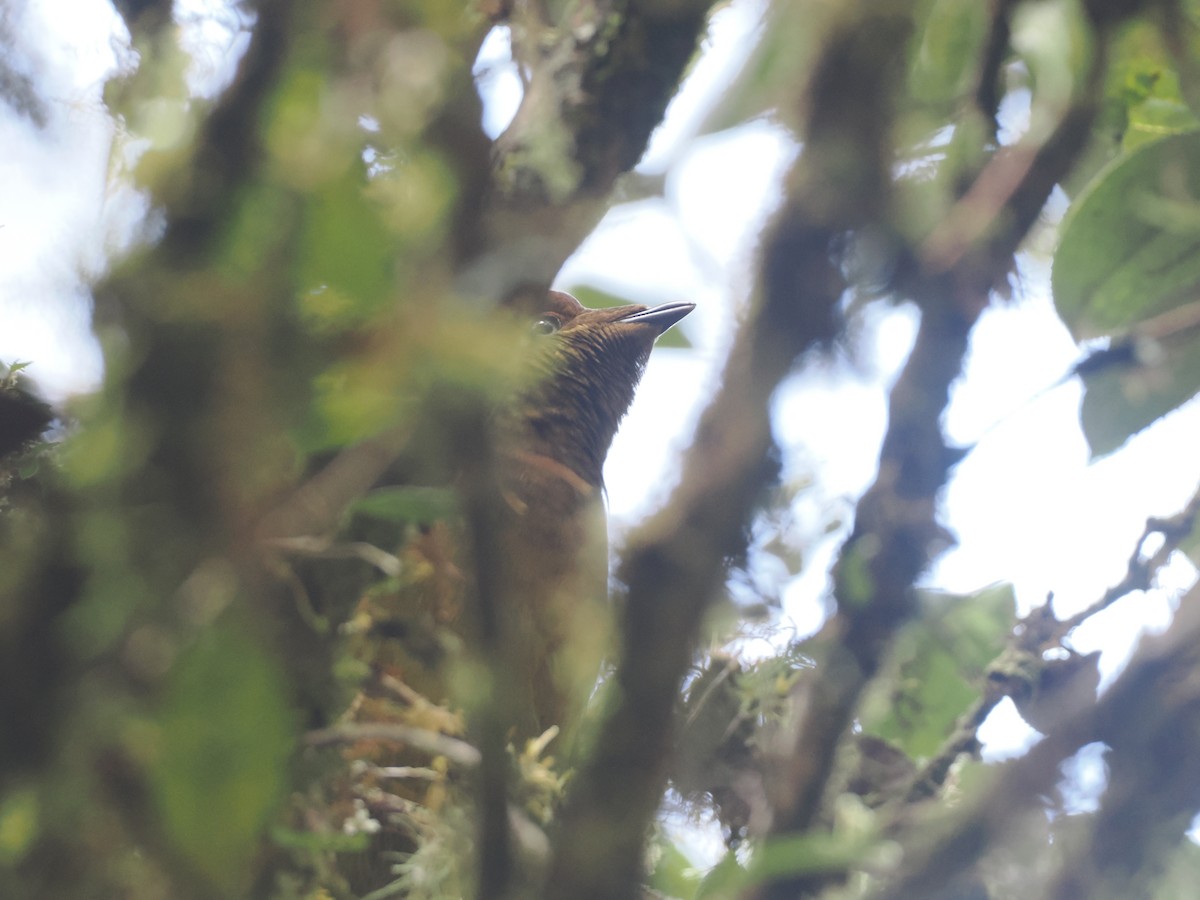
(573, 418)
(551, 468)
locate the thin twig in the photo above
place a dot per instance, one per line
(1040, 632)
(1139, 574)
(896, 530)
(325, 548)
(459, 752)
(1161, 660)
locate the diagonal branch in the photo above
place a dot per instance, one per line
(676, 563)
(1163, 667)
(896, 532)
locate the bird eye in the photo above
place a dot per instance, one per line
(547, 325)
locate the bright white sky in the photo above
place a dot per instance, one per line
(1026, 506)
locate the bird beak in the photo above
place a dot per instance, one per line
(659, 317)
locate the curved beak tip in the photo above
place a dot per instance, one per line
(661, 317)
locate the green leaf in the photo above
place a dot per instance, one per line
(225, 735)
(1182, 873)
(949, 38)
(674, 338)
(1155, 117)
(1130, 252)
(20, 825)
(259, 229)
(726, 879)
(346, 258)
(1119, 401)
(596, 298)
(1142, 97)
(814, 853)
(937, 669)
(1126, 252)
(408, 504)
(315, 842)
(673, 874)
(778, 68)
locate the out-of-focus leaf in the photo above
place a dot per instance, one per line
(346, 256)
(596, 298)
(1125, 254)
(312, 137)
(1182, 873)
(1156, 117)
(258, 228)
(1143, 101)
(725, 879)
(1121, 400)
(777, 70)
(291, 839)
(1055, 42)
(408, 504)
(950, 35)
(20, 812)
(813, 853)
(937, 668)
(1130, 251)
(931, 186)
(159, 120)
(415, 196)
(351, 401)
(673, 873)
(96, 623)
(225, 733)
(103, 451)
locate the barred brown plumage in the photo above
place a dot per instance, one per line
(548, 533)
(555, 447)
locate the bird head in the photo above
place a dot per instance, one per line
(589, 363)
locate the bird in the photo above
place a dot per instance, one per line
(551, 441)
(552, 451)
(551, 444)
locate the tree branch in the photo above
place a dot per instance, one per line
(676, 562)
(896, 532)
(599, 78)
(1162, 667)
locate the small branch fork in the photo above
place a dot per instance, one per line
(1149, 786)
(951, 276)
(1040, 633)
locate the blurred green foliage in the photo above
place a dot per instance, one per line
(306, 294)
(1127, 251)
(946, 53)
(218, 755)
(1128, 254)
(408, 504)
(937, 669)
